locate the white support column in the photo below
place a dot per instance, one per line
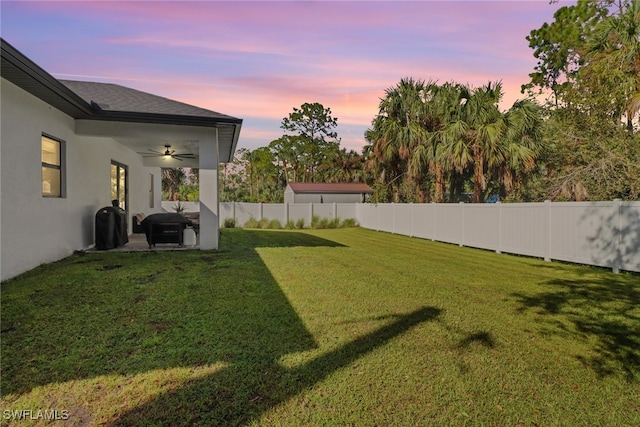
(209, 207)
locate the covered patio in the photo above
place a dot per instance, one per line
(70, 148)
(138, 243)
(166, 134)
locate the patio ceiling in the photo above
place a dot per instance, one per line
(142, 137)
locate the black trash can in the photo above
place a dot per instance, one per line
(105, 228)
(121, 236)
(111, 228)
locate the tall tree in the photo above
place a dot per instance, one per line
(559, 47)
(315, 136)
(593, 147)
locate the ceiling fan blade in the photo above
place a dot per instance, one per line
(175, 157)
(186, 155)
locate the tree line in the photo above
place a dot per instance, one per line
(573, 136)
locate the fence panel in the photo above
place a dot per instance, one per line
(448, 222)
(367, 215)
(423, 220)
(628, 254)
(582, 232)
(323, 210)
(273, 211)
(403, 219)
(385, 217)
(246, 211)
(481, 226)
(346, 211)
(523, 229)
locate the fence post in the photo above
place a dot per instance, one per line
(335, 211)
(286, 213)
(547, 230)
(310, 213)
(617, 235)
(462, 227)
(411, 218)
(434, 207)
(261, 211)
(393, 218)
(499, 207)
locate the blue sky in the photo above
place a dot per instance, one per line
(257, 60)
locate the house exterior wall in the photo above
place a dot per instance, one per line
(36, 229)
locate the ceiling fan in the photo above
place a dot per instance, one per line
(168, 152)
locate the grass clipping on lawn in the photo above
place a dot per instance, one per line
(320, 327)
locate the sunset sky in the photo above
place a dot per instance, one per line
(257, 60)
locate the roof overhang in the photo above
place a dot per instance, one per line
(147, 130)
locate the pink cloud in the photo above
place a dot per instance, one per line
(261, 59)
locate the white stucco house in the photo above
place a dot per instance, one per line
(67, 148)
(305, 192)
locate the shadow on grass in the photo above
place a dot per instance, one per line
(603, 309)
(129, 313)
(243, 391)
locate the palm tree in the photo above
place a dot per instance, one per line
(441, 107)
(472, 138)
(348, 166)
(398, 130)
(523, 143)
(172, 178)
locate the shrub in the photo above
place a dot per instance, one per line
(300, 224)
(290, 225)
(321, 223)
(252, 223)
(349, 222)
(230, 223)
(334, 223)
(263, 223)
(274, 224)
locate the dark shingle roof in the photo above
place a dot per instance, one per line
(306, 187)
(104, 101)
(113, 97)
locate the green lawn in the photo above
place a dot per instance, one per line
(321, 327)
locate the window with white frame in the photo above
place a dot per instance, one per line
(53, 179)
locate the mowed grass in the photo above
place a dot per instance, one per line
(321, 327)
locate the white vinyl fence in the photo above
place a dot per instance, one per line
(605, 234)
(285, 212)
